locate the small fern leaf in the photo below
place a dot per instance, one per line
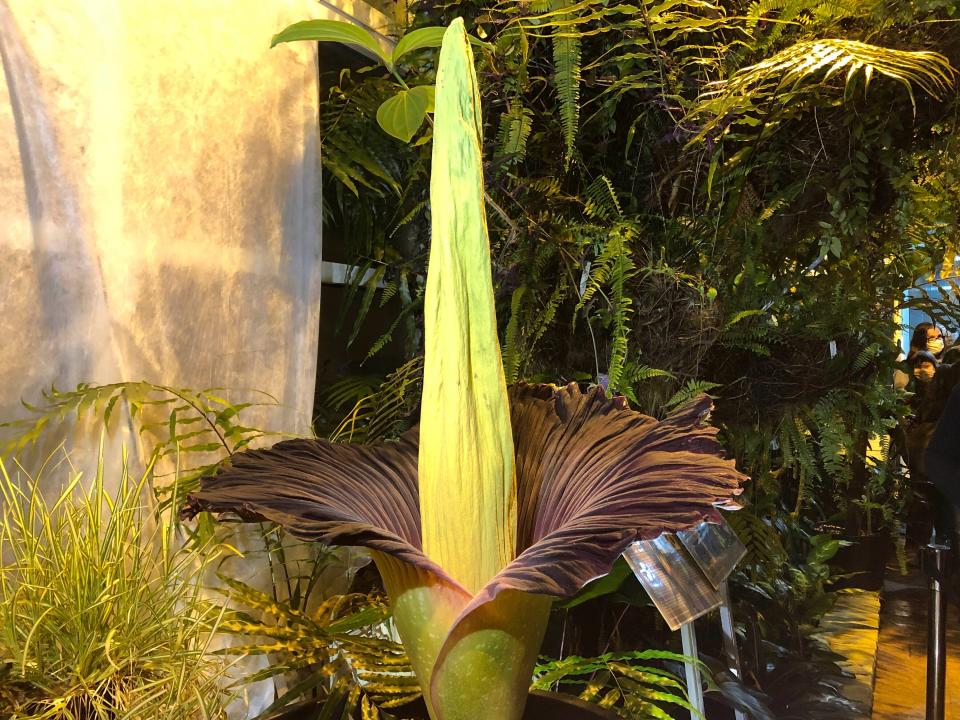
(515, 127)
(601, 200)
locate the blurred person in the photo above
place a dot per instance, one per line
(931, 384)
(943, 467)
(926, 338)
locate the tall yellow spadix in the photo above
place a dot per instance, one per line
(466, 467)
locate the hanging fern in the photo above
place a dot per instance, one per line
(835, 443)
(566, 80)
(799, 455)
(513, 341)
(410, 306)
(544, 317)
(621, 303)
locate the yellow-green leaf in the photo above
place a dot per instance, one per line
(403, 114)
(331, 31)
(428, 37)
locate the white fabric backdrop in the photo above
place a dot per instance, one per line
(159, 198)
(159, 206)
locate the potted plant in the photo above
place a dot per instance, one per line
(503, 499)
(862, 557)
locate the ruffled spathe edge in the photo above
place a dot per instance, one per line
(593, 476)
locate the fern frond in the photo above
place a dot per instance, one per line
(566, 79)
(764, 547)
(513, 340)
(690, 390)
(389, 290)
(545, 317)
(622, 271)
(515, 126)
(601, 200)
(548, 186)
(383, 414)
(414, 211)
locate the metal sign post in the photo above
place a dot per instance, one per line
(934, 560)
(730, 638)
(688, 637)
(685, 576)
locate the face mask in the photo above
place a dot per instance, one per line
(924, 374)
(935, 346)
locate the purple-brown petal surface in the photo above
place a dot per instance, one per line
(594, 476)
(325, 492)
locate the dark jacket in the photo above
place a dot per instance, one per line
(943, 451)
(927, 404)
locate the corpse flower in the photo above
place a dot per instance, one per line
(502, 499)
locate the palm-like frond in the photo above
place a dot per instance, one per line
(819, 60)
(930, 71)
(810, 65)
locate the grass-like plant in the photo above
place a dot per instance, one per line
(101, 614)
(502, 498)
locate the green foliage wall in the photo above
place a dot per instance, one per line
(684, 196)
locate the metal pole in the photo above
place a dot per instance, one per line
(934, 561)
(729, 631)
(688, 637)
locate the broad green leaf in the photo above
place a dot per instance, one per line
(605, 585)
(403, 114)
(431, 93)
(331, 31)
(468, 503)
(428, 37)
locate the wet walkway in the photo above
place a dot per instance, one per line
(900, 685)
(851, 629)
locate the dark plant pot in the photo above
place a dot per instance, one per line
(863, 562)
(540, 706)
